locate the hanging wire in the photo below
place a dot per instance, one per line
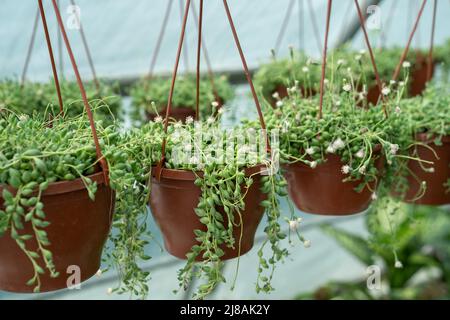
(430, 52)
(30, 49)
(411, 36)
(284, 25)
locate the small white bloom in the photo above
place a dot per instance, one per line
(276, 95)
(398, 264)
(341, 62)
(307, 243)
(310, 150)
(392, 82)
(214, 104)
(394, 148)
(349, 70)
(210, 120)
(178, 125)
(331, 149)
(326, 81)
(338, 103)
(338, 144)
(296, 83)
(99, 272)
(279, 103)
(401, 83)
(189, 120)
(397, 110)
(293, 225)
(158, 119)
(360, 154)
(374, 196)
(109, 291)
(358, 57)
(305, 69)
(430, 170)
(347, 87)
(406, 64)
(188, 147)
(362, 169)
(23, 117)
(386, 91)
(221, 111)
(346, 169)
(297, 117)
(313, 164)
(362, 51)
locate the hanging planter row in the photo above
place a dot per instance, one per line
(336, 159)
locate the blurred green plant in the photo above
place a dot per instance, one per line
(406, 241)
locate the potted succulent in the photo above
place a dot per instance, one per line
(209, 195)
(423, 180)
(275, 77)
(41, 97)
(150, 97)
(338, 157)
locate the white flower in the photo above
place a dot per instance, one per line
(362, 51)
(214, 104)
(430, 170)
(188, 147)
(347, 87)
(338, 144)
(362, 169)
(297, 117)
(177, 125)
(276, 95)
(109, 291)
(401, 83)
(293, 225)
(398, 264)
(360, 154)
(23, 117)
(394, 148)
(338, 103)
(99, 272)
(374, 196)
(313, 164)
(210, 120)
(221, 111)
(296, 83)
(392, 82)
(406, 64)
(305, 69)
(331, 149)
(358, 57)
(310, 150)
(326, 81)
(341, 62)
(349, 70)
(279, 103)
(189, 120)
(397, 110)
(158, 119)
(307, 243)
(346, 169)
(386, 91)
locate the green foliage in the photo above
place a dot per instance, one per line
(42, 98)
(156, 90)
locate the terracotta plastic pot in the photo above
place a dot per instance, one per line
(373, 94)
(78, 231)
(178, 113)
(419, 76)
(282, 92)
(322, 191)
(174, 199)
(436, 192)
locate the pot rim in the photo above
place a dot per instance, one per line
(62, 187)
(423, 137)
(186, 175)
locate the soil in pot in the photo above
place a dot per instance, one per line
(436, 192)
(78, 230)
(174, 199)
(322, 191)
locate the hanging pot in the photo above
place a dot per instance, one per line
(174, 199)
(77, 233)
(322, 191)
(419, 75)
(436, 193)
(178, 113)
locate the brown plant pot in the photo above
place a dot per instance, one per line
(322, 190)
(282, 92)
(419, 76)
(435, 193)
(178, 113)
(174, 199)
(373, 94)
(78, 231)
